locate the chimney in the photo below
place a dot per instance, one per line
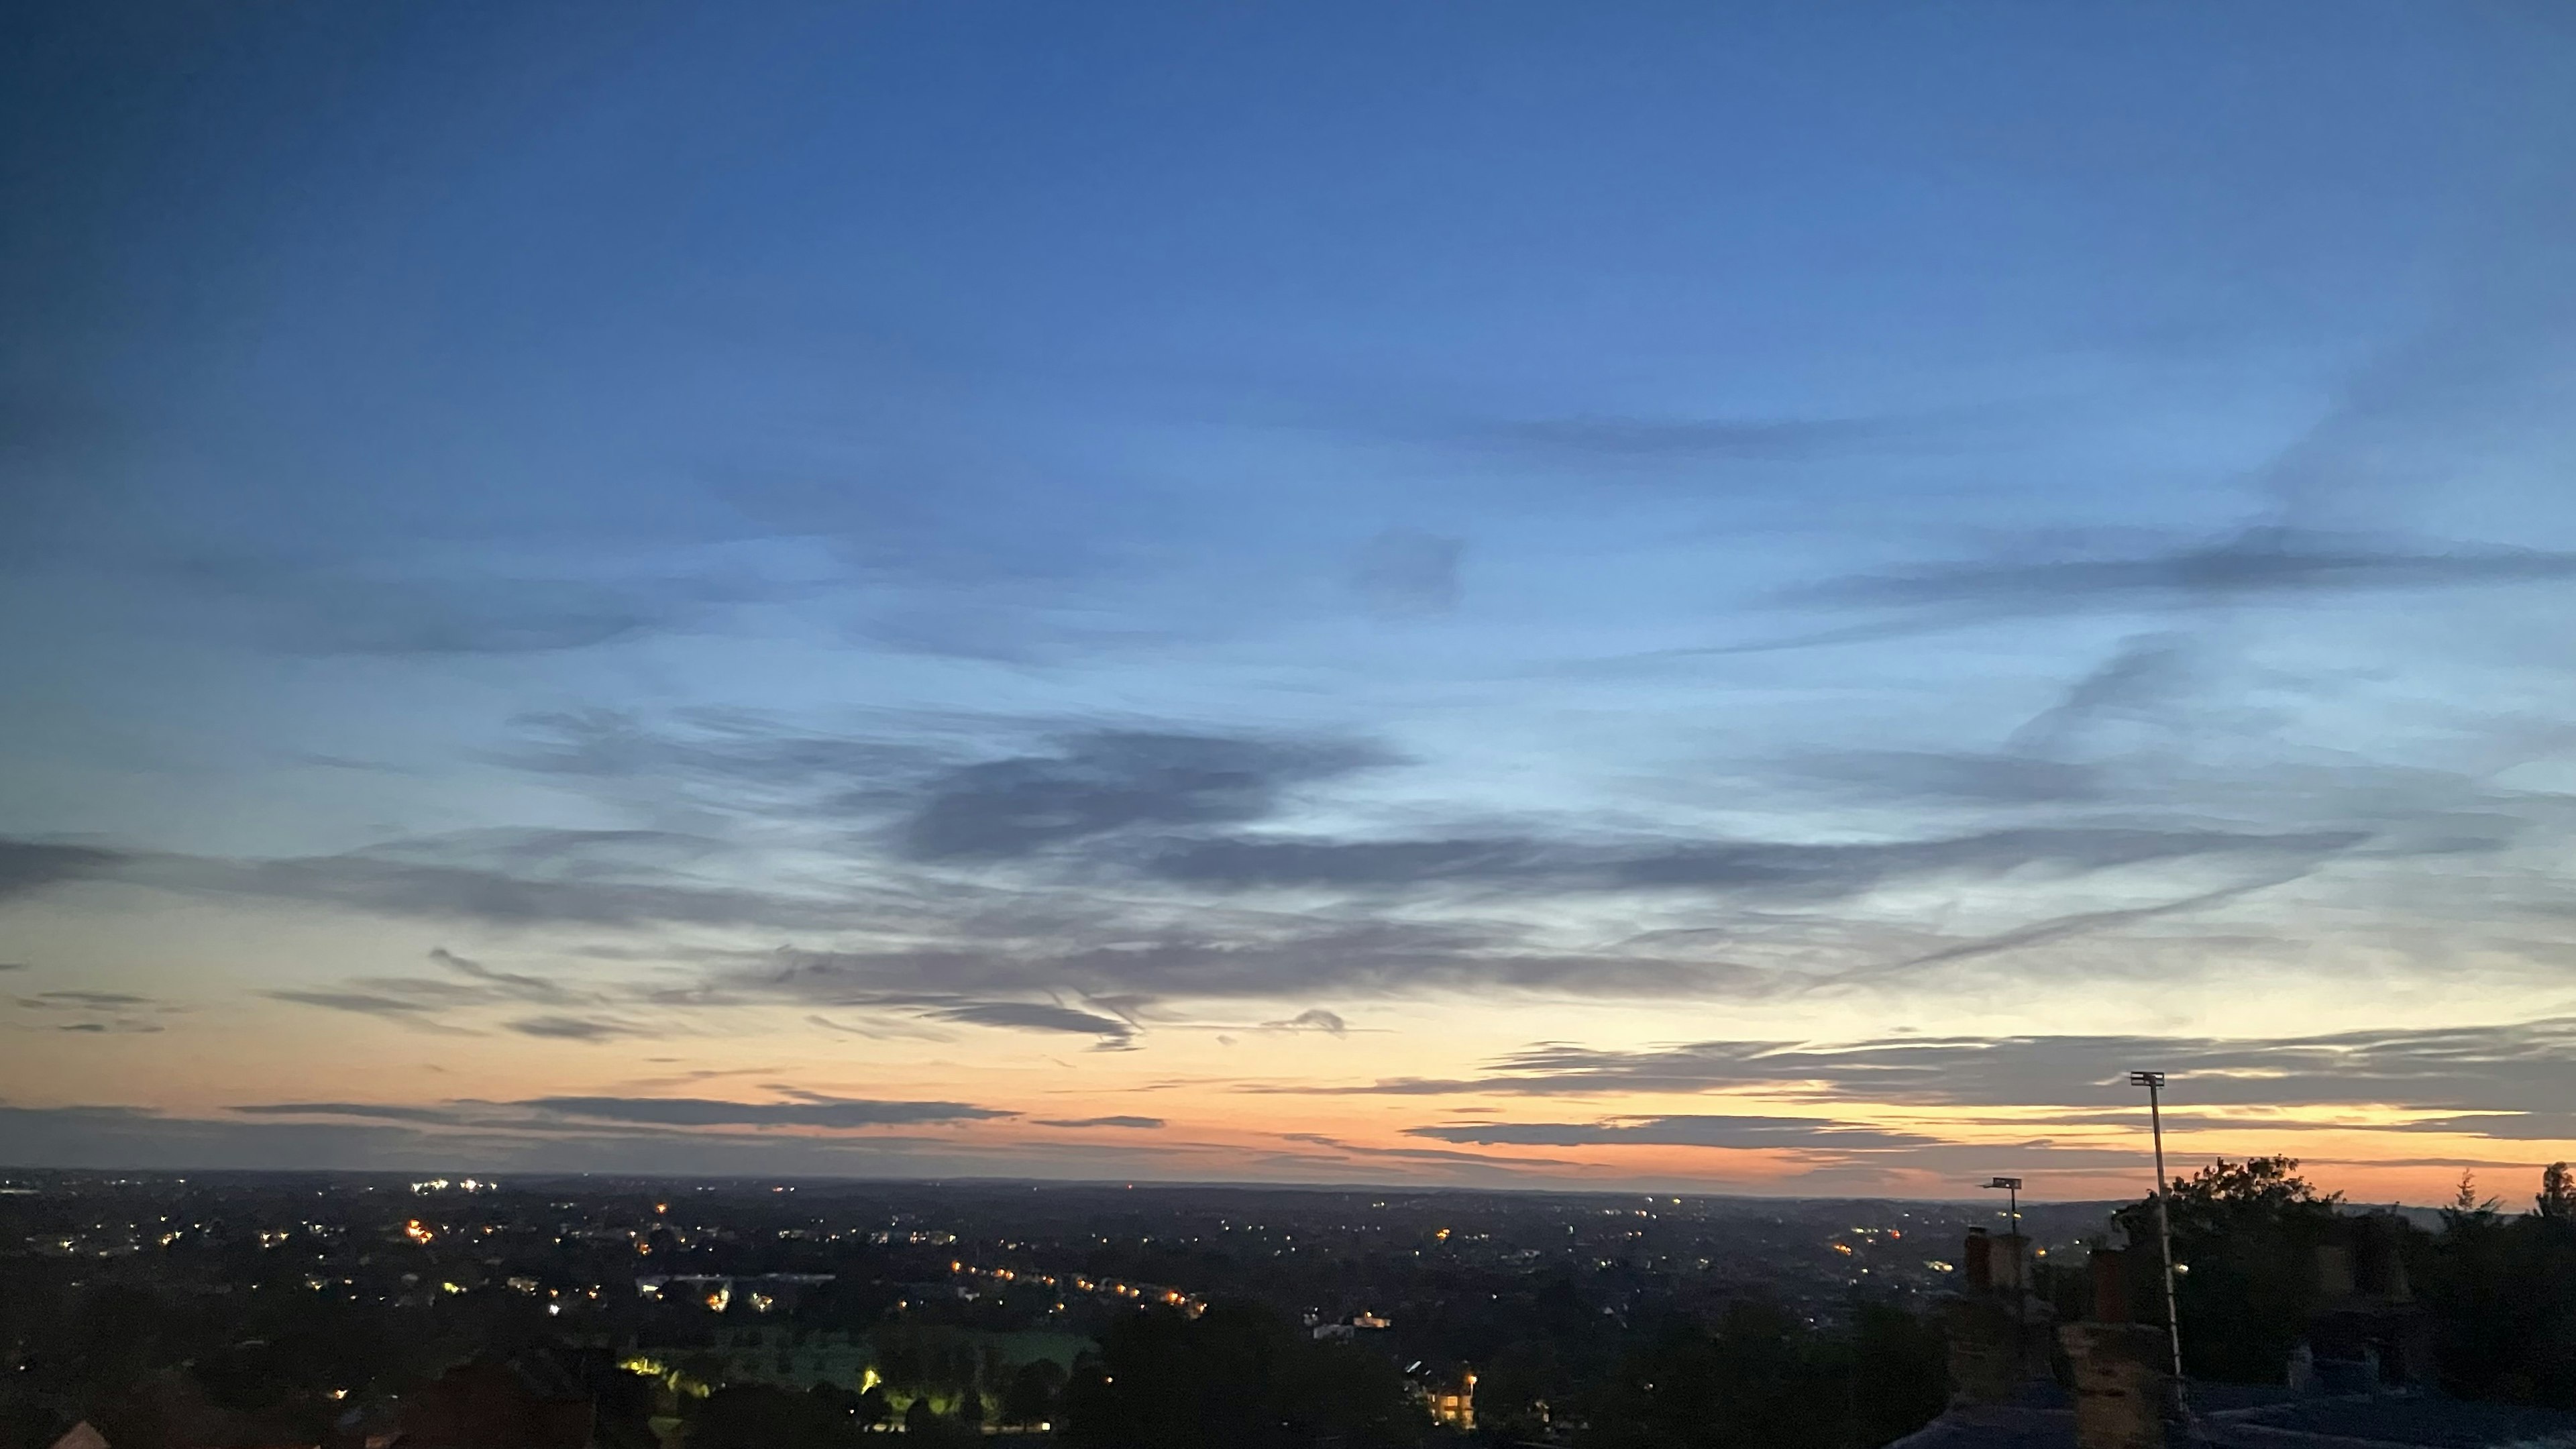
(2334, 1270)
(1985, 1367)
(2379, 1261)
(2123, 1370)
(2008, 1263)
(2110, 1273)
(2121, 1382)
(1987, 1361)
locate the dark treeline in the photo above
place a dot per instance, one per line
(2494, 1291)
(1753, 1375)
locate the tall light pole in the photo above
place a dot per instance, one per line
(2021, 1264)
(2012, 1191)
(2154, 1082)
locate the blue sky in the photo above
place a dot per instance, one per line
(1360, 558)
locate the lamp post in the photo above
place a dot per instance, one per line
(2154, 1082)
(2012, 1191)
(2020, 1265)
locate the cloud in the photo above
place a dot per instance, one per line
(120, 1013)
(1404, 573)
(400, 608)
(2251, 564)
(2146, 671)
(1157, 866)
(512, 984)
(84, 1000)
(1694, 439)
(576, 1028)
(396, 887)
(2080, 923)
(1250, 864)
(503, 877)
(482, 1137)
(1419, 1154)
(373, 1111)
(1787, 869)
(1313, 1018)
(2470, 1070)
(2530, 1126)
(409, 1011)
(827, 1112)
(1950, 776)
(1141, 1124)
(1267, 960)
(2246, 567)
(880, 1030)
(125, 1137)
(1034, 1016)
(1109, 781)
(27, 865)
(1677, 1131)
(722, 755)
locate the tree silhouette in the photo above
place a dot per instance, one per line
(2557, 1198)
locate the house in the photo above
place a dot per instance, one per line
(2109, 1382)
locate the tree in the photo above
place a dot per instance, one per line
(1521, 1390)
(1756, 1380)
(1239, 1376)
(2245, 1236)
(2557, 1200)
(2256, 1185)
(1030, 1395)
(1900, 1373)
(2465, 1201)
(757, 1416)
(926, 1428)
(2503, 1294)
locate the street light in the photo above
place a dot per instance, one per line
(2020, 1288)
(2154, 1082)
(2012, 1191)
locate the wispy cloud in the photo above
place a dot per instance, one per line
(2253, 563)
(822, 1112)
(578, 1028)
(102, 1013)
(409, 1011)
(1110, 781)
(1418, 1154)
(1700, 438)
(1034, 1016)
(29, 865)
(399, 605)
(1405, 573)
(1782, 869)
(372, 1111)
(2251, 566)
(2471, 1071)
(1677, 1131)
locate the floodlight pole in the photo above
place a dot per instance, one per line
(2154, 1082)
(2021, 1266)
(2012, 1198)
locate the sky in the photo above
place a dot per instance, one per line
(1758, 598)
